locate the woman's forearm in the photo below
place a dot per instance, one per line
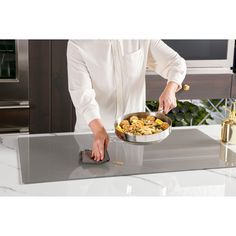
(96, 126)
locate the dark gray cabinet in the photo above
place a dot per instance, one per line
(51, 107)
(202, 86)
(62, 111)
(233, 89)
(40, 85)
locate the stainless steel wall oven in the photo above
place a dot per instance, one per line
(14, 84)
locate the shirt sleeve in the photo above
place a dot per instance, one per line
(166, 62)
(80, 85)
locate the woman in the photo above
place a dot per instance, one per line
(107, 79)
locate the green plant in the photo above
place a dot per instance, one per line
(215, 102)
(185, 114)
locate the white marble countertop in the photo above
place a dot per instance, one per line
(214, 182)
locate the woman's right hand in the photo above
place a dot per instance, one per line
(100, 141)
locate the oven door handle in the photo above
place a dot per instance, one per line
(14, 130)
(14, 105)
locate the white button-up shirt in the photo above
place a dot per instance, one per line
(107, 77)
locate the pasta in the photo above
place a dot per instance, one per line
(142, 126)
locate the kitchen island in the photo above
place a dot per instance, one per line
(212, 182)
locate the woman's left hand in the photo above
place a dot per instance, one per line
(167, 100)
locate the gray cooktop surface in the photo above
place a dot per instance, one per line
(56, 157)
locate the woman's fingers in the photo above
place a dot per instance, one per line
(169, 107)
(161, 105)
(95, 152)
(100, 150)
(167, 100)
(166, 105)
(100, 142)
(173, 106)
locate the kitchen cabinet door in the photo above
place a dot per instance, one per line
(233, 90)
(40, 86)
(51, 109)
(62, 110)
(202, 86)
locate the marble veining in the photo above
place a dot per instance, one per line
(148, 180)
(7, 189)
(9, 165)
(225, 174)
(7, 146)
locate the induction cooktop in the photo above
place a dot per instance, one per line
(47, 158)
